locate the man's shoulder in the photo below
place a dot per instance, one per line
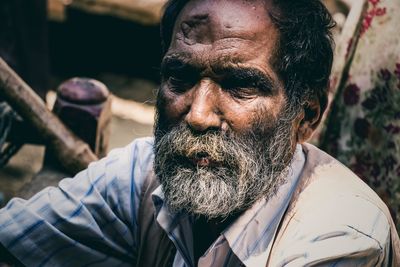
(144, 145)
(128, 166)
(332, 212)
(139, 153)
(326, 179)
(332, 189)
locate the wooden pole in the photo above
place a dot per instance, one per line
(72, 153)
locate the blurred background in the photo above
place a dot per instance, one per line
(116, 42)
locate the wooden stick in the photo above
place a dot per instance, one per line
(72, 153)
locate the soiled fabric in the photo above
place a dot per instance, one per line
(363, 127)
(114, 214)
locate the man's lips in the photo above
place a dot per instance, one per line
(204, 161)
(201, 162)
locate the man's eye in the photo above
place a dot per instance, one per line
(240, 91)
(178, 85)
(243, 92)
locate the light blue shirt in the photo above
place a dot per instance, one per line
(92, 219)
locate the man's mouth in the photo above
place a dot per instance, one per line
(203, 159)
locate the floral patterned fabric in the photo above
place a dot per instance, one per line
(363, 126)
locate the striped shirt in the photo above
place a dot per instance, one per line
(93, 220)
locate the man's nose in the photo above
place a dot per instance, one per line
(204, 113)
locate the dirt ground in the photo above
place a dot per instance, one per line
(132, 118)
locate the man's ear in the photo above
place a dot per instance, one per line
(312, 115)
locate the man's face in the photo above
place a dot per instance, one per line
(223, 136)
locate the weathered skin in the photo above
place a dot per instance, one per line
(210, 37)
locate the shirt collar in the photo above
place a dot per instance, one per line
(250, 236)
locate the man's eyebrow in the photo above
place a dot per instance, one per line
(230, 75)
(235, 76)
(177, 64)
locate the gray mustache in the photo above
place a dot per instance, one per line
(216, 146)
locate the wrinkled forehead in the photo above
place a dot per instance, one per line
(223, 24)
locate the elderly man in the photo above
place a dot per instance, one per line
(228, 179)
